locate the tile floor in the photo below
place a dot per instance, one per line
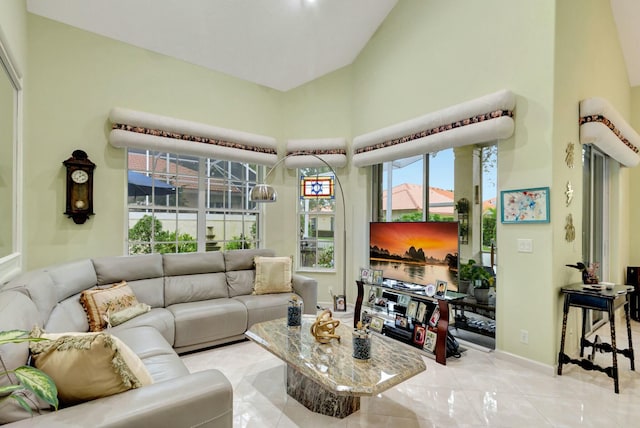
(480, 389)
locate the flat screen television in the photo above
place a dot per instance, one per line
(415, 253)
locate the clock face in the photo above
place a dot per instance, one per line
(79, 176)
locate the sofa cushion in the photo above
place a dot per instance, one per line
(273, 275)
(192, 263)
(40, 288)
(265, 307)
(149, 291)
(68, 315)
(159, 319)
(240, 282)
(73, 278)
(144, 341)
(193, 288)
(86, 366)
(129, 268)
(207, 321)
(243, 259)
(100, 302)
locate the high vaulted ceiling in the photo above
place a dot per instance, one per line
(280, 44)
(276, 43)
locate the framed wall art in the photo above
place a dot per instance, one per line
(525, 205)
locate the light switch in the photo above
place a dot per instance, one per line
(525, 245)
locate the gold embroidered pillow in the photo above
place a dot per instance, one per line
(86, 366)
(273, 275)
(98, 303)
(124, 315)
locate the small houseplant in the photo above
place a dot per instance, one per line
(25, 378)
(476, 277)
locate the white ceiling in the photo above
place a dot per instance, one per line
(276, 43)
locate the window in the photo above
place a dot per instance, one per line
(403, 187)
(316, 213)
(595, 218)
(489, 168)
(179, 203)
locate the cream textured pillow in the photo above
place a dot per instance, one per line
(273, 275)
(119, 317)
(86, 366)
(99, 303)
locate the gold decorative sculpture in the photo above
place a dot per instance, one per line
(324, 328)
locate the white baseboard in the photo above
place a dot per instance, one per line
(525, 362)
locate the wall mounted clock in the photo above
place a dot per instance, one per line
(79, 186)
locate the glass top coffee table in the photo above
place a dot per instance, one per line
(326, 378)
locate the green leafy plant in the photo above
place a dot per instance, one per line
(27, 378)
(473, 272)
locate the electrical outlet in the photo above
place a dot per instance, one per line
(524, 336)
(525, 245)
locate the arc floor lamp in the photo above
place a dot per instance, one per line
(265, 193)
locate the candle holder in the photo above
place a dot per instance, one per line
(294, 312)
(361, 342)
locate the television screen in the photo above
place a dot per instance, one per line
(415, 252)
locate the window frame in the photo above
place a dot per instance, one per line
(204, 209)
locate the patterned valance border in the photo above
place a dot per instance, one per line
(153, 132)
(301, 153)
(602, 126)
(437, 130)
(483, 119)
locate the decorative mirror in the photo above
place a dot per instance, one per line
(10, 165)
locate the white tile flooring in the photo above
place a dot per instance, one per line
(480, 389)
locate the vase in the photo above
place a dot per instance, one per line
(481, 295)
(464, 286)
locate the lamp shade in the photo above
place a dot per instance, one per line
(263, 193)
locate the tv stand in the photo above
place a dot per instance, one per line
(442, 304)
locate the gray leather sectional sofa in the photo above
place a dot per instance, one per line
(198, 300)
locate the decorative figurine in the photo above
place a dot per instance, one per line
(324, 328)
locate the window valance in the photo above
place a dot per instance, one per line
(149, 131)
(480, 120)
(602, 126)
(332, 150)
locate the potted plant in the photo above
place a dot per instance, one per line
(25, 378)
(476, 279)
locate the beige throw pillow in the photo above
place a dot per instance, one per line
(273, 275)
(86, 366)
(124, 315)
(99, 303)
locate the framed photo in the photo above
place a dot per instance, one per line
(441, 288)
(435, 316)
(525, 205)
(366, 275)
(401, 321)
(412, 309)
(339, 303)
(404, 300)
(376, 277)
(430, 340)
(372, 297)
(377, 324)
(422, 309)
(419, 335)
(366, 318)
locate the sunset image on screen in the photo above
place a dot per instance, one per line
(436, 239)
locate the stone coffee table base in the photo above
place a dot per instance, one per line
(318, 399)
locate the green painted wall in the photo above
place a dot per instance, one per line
(75, 79)
(13, 21)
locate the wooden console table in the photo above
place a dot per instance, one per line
(608, 301)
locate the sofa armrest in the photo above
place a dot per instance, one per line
(307, 288)
(203, 399)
